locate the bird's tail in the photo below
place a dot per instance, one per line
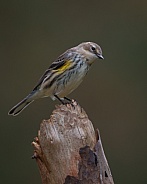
(21, 105)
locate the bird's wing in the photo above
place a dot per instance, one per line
(41, 79)
(59, 65)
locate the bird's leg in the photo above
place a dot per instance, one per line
(65, 98)
(59, 99)
(68, 99)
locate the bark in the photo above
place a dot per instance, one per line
(69, 151)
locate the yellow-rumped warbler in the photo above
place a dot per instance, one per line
(63, 76)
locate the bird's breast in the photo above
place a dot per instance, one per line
(71, 80)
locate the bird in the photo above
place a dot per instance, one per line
(63, 76)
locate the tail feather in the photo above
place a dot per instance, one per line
(20, 106)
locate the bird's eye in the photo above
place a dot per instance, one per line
(93, 48)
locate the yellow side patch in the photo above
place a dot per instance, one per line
(64, 67)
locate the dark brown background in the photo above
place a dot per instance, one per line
(33, 34)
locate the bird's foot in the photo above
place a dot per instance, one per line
(72, 102)
(66, 100)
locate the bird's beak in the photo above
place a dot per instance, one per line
(100, 56)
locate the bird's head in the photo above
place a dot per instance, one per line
(90, 50)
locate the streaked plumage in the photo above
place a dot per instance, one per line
(64, 75)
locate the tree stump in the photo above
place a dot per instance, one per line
(69, 151)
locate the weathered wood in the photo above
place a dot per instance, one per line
(68, 151)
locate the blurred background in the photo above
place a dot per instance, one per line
(33, 34)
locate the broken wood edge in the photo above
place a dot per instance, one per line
(97, 163)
